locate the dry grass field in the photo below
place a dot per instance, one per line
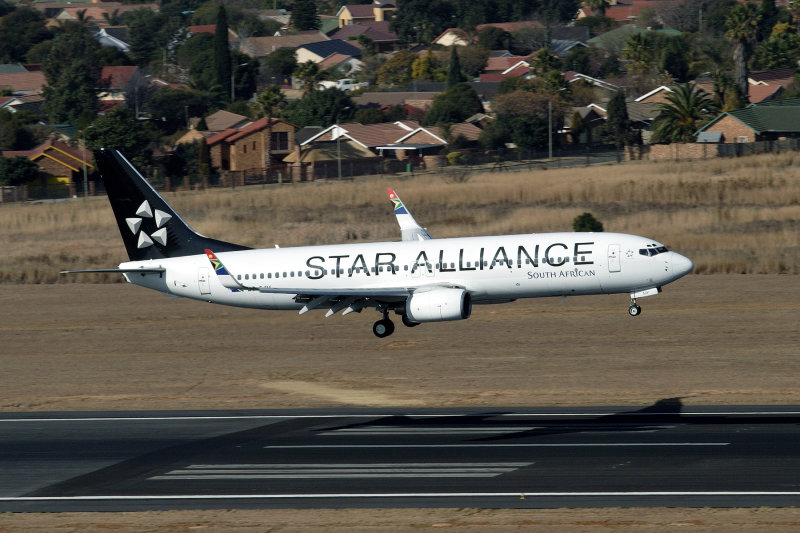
(730, 216)
(710, 339)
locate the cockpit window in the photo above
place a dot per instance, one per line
(652, 250)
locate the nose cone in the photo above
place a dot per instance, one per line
(681, 265)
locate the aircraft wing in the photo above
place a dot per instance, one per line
(349, 300)
(409, 227)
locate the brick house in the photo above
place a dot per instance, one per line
(246, 148)
(767, 121)
(60, 165)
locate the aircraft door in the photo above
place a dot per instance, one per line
(613, 258)
(202, 280)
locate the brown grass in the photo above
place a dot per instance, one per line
(730, 216)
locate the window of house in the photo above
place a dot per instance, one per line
(279, 140)
(742, 139)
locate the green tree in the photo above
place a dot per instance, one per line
(150, 33)
(454, 74)
(422, 67)
(421, 20)
(543, 62)
(70, 92)
(222, 54)
(120, 129)
(456, 104)
(396, 71)
(304, 15)
(192, 47)
(17, 170)
(618, 124)
(472, 59)
(587, 222)
(279, 64)
(320, 108)
(310, 75)
(19, 31)
(171, 108)
(494, 38)
(742, 27)
(685, 111)
(781, 50)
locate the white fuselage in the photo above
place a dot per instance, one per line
(491, 269)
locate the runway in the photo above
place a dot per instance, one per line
(660, 455)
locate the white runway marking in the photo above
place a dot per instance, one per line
(500, 445)
(339, 471)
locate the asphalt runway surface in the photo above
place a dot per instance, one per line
(662, 455)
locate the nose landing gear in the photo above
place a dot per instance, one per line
(634, 309)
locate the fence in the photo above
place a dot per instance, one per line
(677, 151)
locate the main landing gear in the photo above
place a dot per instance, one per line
(385, 327)
(634, 309)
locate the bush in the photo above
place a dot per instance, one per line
(587, 222)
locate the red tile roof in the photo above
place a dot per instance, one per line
(116, 77)
(233, 135)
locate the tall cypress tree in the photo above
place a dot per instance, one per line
(454, 75)
(618, 125)
(304, 15)
(222, 54)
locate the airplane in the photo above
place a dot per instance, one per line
(420, 278)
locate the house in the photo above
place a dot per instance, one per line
(60, 165)
(453, 37)
(657, 95)
(259, 47)
(378, 10)
(499, 68)
(246, 148)
(21, 80)
(233, 37)
(627, 12)
(379, 32)
(341, 64)
(767, 121)
(318, 51)
(114, 81)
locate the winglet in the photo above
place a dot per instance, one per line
(225, 277)
(410, 228)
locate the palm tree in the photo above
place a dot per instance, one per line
(268, 103)
(742, 27)
(687, 108)
(310, 74)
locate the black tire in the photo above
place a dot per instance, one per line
(634, 310)
(383, 328)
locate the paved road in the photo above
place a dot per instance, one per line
(661, 455)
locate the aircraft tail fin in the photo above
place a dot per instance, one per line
(150, 227)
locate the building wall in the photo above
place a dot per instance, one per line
(249, 151)
(732, 130)
(673, 151)
(304, 55)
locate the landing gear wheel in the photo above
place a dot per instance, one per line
(634, 310)
(408, 322)
(383, 328)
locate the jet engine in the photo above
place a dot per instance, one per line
(439, 304)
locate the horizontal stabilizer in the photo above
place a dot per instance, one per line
(153, 270)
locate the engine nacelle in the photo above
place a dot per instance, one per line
(440, 304)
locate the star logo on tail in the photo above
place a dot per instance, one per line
(160, 218)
